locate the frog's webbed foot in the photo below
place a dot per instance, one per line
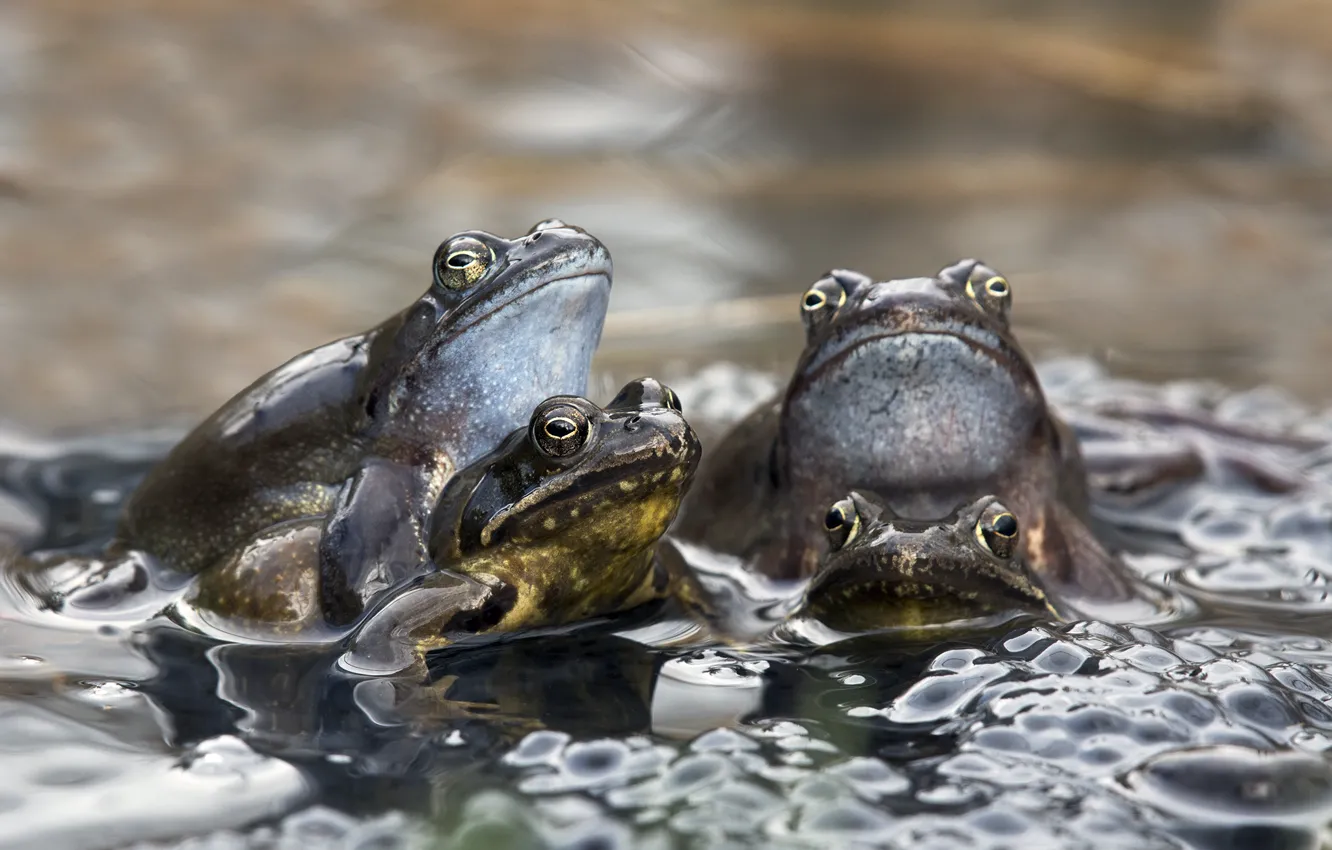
(372, 540)
(60, 583)
(432, 613)
(1136, 455)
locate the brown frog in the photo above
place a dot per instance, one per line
(918, 391)
(886, 572)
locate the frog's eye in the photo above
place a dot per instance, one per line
(997, 531)
(828, 291)
(559, 431)
(997, 287)
(991, 291)
(821, 302)
(461, 262)
(671, 400)
(842, 522)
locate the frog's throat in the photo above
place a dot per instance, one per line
(599, 568)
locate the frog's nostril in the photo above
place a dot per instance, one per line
(632, 423)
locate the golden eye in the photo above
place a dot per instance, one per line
(814, 300)
(559, 431)
(997, 531)
(560, 428)
(462, 261)
(834, 519)
(991, 291)
(842, 522)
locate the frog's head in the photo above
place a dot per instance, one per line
(564, 515)
(908, 387)
(885, 572)
(506, 323)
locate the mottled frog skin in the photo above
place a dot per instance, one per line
(365, 431)
(886, 572)
(915, 390)
(557, 525)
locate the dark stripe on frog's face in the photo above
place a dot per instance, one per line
(911, 387)
(897, 572)
(522, 329)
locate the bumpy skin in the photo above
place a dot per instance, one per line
(553, 531)
(394, 410)
(888, 572)
(918, 391)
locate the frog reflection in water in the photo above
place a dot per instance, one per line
(362, 433)
(884, 571)
(556, 525)
(915, 390)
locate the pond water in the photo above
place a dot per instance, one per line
(191, 192)
(1204, 728)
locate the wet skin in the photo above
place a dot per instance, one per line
(556, 525)
(915, 390)
(366, 430)
(885, 572)
(559, 524)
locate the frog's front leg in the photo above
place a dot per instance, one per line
(372, 540)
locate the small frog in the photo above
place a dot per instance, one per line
(556, 525)
(886, 572)
(364, 432)
(918, 391)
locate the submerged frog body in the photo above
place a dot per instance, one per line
(554, 526)
(364, 432)
(885, 572)
(918, 391)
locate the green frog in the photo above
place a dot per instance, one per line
(884, 571)
(556, 525)
(916, 390)
(364, 432)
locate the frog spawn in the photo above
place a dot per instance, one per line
(1082, 735)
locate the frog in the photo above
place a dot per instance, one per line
(363, 432)
(917, 390)
(887, 572)
(555, 526)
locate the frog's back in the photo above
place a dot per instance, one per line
(276, 451)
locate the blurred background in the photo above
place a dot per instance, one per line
(192, 191)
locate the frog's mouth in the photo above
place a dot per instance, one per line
(881, 592)
(584, 288)
(575, 498)
(979, 343)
